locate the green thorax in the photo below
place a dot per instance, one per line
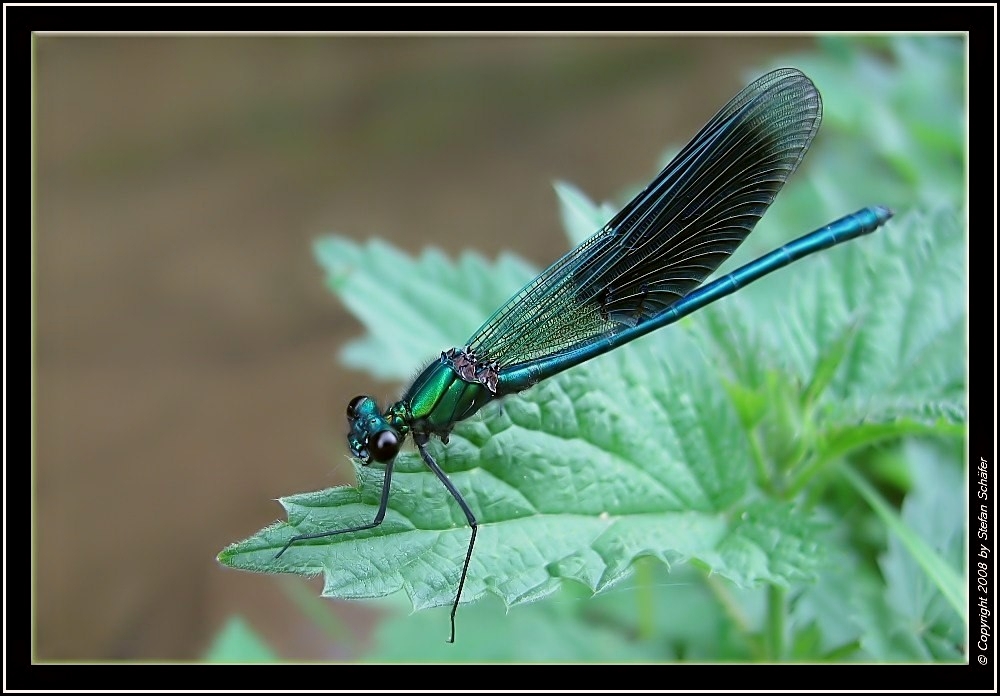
(449, 390)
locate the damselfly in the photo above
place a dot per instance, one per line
(639, 272)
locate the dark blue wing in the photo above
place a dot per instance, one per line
(671, 236)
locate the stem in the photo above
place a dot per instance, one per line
(735, 614)
(758, 460)
(806, 474)
(645, 598)
(775, 639)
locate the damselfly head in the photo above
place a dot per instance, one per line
(371, 436)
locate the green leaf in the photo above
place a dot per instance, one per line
(910, 348)
(895, 296)
(864, 347)
(905, 608)
(430, 300)
(238, 642)
(920, 615)
(563, 488)
(896, 122)
(829, 359)
(916, 510)
(833, 605)
(580, 217)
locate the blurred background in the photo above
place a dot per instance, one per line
(185, 343)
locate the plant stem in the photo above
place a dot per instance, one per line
(644, 595)
(763, 480)
(775, 638)
(735, 614)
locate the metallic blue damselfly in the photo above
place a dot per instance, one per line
(641, 271)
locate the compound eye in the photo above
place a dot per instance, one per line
(384, 445)
(352, 408)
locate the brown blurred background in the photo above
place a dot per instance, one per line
(185, 343)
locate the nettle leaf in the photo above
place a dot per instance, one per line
(912, 618)
(567, 483)
(912, 606)
(580, 217)
(636, 453)
(376, 280)
(898, 122)
(873, 334)
(837, 603)
(237, 642)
